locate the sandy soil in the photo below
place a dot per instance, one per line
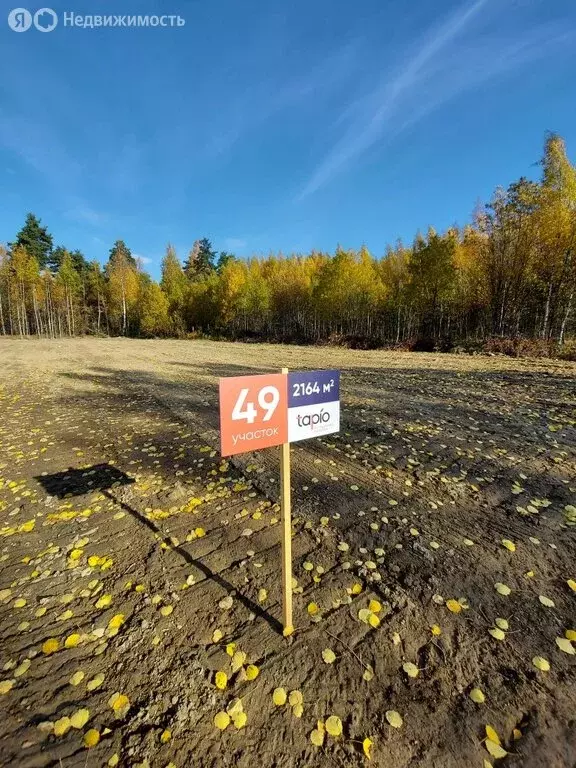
(126, 542)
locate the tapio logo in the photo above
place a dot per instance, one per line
(20, 20)
(313, 419)
(45, 20)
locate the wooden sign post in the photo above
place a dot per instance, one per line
(285, 502)
(278, 409)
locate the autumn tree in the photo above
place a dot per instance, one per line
(175, 286)
(154, 311)
(96, 295)
(348, 292)
(122, 286)
(508, 256)
(432, 273)
(555, 266)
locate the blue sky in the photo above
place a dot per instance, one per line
(270, 126)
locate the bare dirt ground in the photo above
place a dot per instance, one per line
(135, 563)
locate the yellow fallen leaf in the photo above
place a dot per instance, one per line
(295, 698)
(570, 634)
(492, 735)
(565, 645)
(394, 718)
(166, 610)
(368, 674)
(217, 636)
(279, 697)
(435, 629)
(410, 669)
(502, 589)
(22, 668)
(364, 615)
(222, 720)
(546, 601)
(356, 588)
(231, 649)
(240, 719)
(374, 606)
(495, 749)
(67, 598)
(367, 746)
(298, 710)
(541, 663)
(317, 737)
(502, 624)
(6, 686)
(104, 601)
(262, 595)
(221, 680)
(329, 656)
(114, 760)
(252, 672)
(238, 660)
(116, 621)
(497, 633)
(313, 609)
(235, 707)
(79, 719)
(72, 640)
(165, 736)
(477, 696)
(334, 726)
(120, 703)
(50, 646)
(572, 584)
(96, 682)
(453, 606)
(91, 739)
(77, 678)
(19, 602)
(510, 546)
(373, 620)
(62, 726)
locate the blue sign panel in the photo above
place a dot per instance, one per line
(313, 387)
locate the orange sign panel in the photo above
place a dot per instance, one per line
(253, 412)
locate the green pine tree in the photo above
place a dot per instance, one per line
(35, 239)
(200, 260)
(121, 254)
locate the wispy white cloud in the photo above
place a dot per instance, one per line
(264, 99)
(38, 146)
(234, 244)
(143, 259)
(442, 66)
(84, 214)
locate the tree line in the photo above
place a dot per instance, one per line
(509, 273)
